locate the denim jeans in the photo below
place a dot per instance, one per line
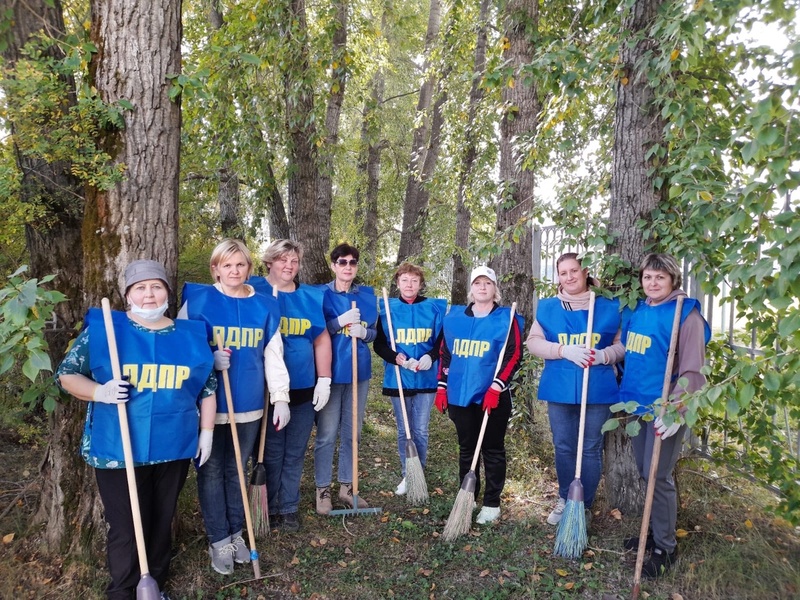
(336, 419)
(284, 454)
(218, 481)
(418, 408)
(564, 423)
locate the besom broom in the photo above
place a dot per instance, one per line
(461, 515)
(416, 486)
(571, 536)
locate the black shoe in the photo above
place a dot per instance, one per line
(632, 543)
(659, 564)
(275, 521)
(290, 522)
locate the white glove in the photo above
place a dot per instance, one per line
(424, 363)
(664, 431)
(222, 360)
(410, 364)
(204, 446)
(358, 330)
(322, 393)
(580, 355)
(351, 316)
(600, 358)
(115, 391)
(281, 415)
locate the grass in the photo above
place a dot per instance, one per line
(730, 547)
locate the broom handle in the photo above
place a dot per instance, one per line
(238, 453)
(496, 371)
(656, 452)
(354, 386)
(585, 387)
(396, 366)
(127, 450)
(263, 440)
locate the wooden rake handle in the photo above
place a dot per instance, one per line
(396, 366)
(354, 415)
(585, 387)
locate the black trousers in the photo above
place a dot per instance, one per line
(158, 489)
(467, 420)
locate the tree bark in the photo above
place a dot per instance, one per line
(309, 221)
(415, 203)
(54, 244)
(228, 199)
(369, 168)
(637, 127)
(458, 294)
(518, 127)
(278, 222)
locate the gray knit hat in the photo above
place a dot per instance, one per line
(142, 270)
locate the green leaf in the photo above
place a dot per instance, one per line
(772, 381)
(632, 429)
(610, 425)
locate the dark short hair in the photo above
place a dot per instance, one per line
(343, 249)
(662, 262)
(590, 279)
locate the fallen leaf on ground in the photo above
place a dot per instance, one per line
(342, 564)
(616, 514)
(295, 561)
(569, 585)
(295, 588)
(676, 596)
(587, 566)
(484, 573)
(7, 538)
(681, 533)
(562, 572)
(748, 523)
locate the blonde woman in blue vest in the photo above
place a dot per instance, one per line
(558, 336)
(253, 354)
(164, 421)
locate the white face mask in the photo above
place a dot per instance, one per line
(149, 314)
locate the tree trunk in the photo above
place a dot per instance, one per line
(278, 222)
(460, 284)
(309, 222)
(54, 244)
(415, 203)
(518, 127)
(369, 168)
(637, 127)
(228, 198)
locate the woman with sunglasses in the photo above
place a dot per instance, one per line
(344, 323)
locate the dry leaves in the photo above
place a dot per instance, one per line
(8, 538)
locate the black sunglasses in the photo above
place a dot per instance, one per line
(343, 262)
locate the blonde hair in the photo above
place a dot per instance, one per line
(279, 248)
(497, 295)
(224, 250)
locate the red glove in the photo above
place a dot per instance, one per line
(441, 399)
(491, 399)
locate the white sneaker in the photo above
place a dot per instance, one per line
(222, 556)
(401, 488)
(488, 514)
(241, 553)
(555, 515)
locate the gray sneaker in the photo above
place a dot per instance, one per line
(555, 515)
(222, 556)
(241, 553)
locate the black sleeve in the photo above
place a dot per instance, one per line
(382, 347)
(444, 364)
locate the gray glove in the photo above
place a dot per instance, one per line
(410, 364)
(424, 363)
(115, 391)
(222, 360)
(358, 330)
(351, 316)
(664, 431)
(580, 355)
(204, 446)
(281, 415)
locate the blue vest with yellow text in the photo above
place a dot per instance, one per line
(302, 322)
(167, 371)
(246, 326)
(646, 334)
(562, 380)
(475, 345)
(336, 303)
(416, 328)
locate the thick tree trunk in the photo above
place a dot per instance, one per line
(228, 198)
(518, 127)
(369, 169)
(415, 203)
(461, 268)
(637, 127)
(278, 222)
(139, 217)
(309, 221)
(54, 243)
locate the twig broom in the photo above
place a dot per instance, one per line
(461, 515)
(259, 497)
(656, 452)
(416, 486)
(571, 536)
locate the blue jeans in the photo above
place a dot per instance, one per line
(418, 408)
(218, 481)
(336, 419)
(284, 454)
(564, 422)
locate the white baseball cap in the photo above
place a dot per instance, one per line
(482, 270)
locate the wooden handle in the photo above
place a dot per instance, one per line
(585, 387)
(226, 381)
(396, 366)
(354, 441)
(127, 450)
(656, 452)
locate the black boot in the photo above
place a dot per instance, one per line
(660, 563)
